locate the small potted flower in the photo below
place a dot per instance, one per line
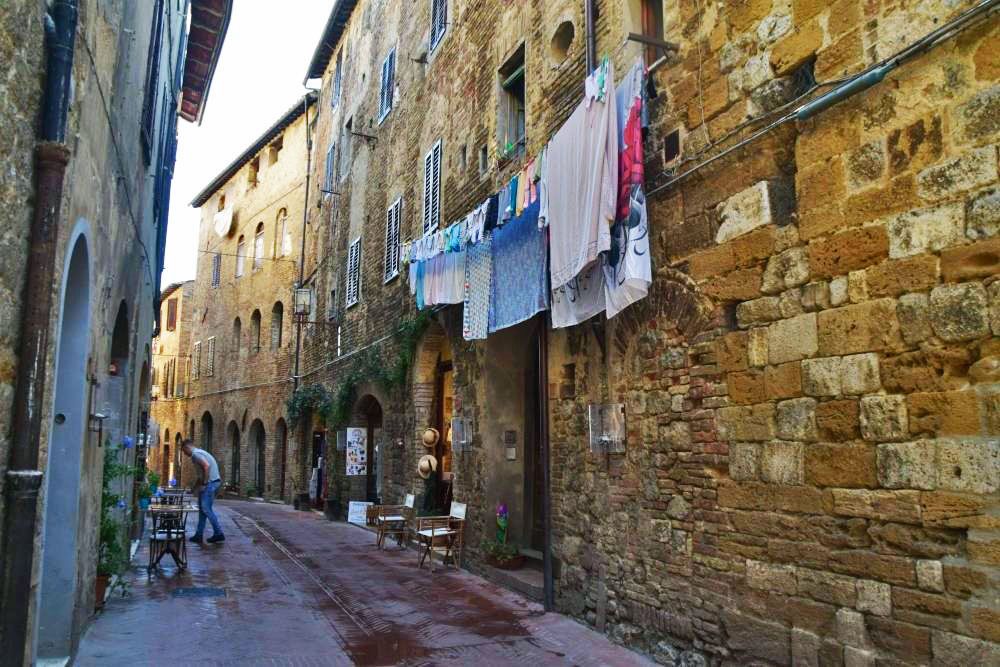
(499, 552)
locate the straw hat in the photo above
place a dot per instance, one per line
(426, 465)
(430, 437)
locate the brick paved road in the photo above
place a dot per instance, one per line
(300, 590)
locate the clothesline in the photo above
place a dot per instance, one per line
(569, 232)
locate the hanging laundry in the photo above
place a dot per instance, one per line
(519, 286)
(478, 276)
(452, 278)
(628, 269)
(543, 192)
(579, 299)
(582, 180)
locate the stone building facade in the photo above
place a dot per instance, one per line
(241, 331)
(813, 451)
(89, 147)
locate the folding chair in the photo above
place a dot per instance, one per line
(394, 520)
(443, 534)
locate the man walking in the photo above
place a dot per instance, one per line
(207, 486)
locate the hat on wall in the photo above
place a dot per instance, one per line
(430, 437)
(426, 465)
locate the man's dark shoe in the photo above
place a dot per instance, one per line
(216, 538)
(197, 539)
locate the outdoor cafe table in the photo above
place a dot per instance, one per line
(170, 547)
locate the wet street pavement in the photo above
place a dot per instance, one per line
(299, 590)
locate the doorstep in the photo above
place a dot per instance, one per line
(529, 580)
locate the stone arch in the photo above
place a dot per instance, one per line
(255, 331)
(206, 431)
(233, 440)
(67, 435)
(368, 412)
(277, 324)
(433, 353)
(257, 450)
(280, 455)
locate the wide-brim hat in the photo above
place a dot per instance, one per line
(427, 465)
(430, 437)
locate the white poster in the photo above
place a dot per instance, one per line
(357, 512)
(357, 451)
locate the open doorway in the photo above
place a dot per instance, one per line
(258, 447)
(280, 455)
(371, 410)
(68, 430)
(234, 455)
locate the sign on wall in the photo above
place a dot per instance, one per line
(357, 512)
(357, 451)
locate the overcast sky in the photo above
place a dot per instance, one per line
(259, 76)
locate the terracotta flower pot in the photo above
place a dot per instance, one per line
(514, 563)
(100, 588)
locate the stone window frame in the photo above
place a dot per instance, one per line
(353, 291)
(439, 23)
(432, 188)
(241, 256)
(258, 247)
(387, 85)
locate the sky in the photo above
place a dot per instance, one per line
(259, 76)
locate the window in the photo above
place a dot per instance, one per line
(439, 21)
(252, 172)
(672, 146)
(463, 158)
(651, 22)
(274, 151)
(258, 247)
(210, 357)
(171, 314)
(237, 335)
(282, 235)
(277, 321)
(152, 76)
(328, 179)
(510, 123)
(388, 85)
(484, 159)
(331, 308)
(216, 269)
(241, 254)
(339, 340)
(255, 332)
(392, 240)
(346, 136)
(196, 360)
(354, 272)
(335, 91)
(432, 188)
(222, 201)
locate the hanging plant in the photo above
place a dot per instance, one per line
(311, 399)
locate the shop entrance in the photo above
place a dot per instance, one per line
(534, 479)
(318, 452)
(372, 412)
(444, 402)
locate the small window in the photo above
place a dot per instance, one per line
(439, 21)
(277, 322)
(253, 171)
(258, 247)
(196, 360)
(337, 76)
(387, 86)
(484, 159)
(210, 357)
(237, 335)
(510, 122)
(216, 269)
(282, 235)
(672, 146)
(331, 308)
(255, 332)
(241, 254)
(392, 216)
(171, 314)
(328, 180)
(432, 189)
(222, 201)
(652, 26)
(275, 149)
(463, 158)
(354, 273)
(346, 139)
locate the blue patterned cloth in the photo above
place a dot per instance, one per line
(519, 286)
(478, 277)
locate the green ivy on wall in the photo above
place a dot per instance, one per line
(371, 366)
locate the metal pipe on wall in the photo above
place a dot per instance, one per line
(591, 17)
(23, 479)
(548, 585)
(300, 458)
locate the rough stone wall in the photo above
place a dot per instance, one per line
(167, 410)
(813, 455)
(248, 383)
(20, 102)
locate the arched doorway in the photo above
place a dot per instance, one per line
(57, 589)
(233, 437)
(165, 460)
(175, 464)
(258, 449)
(371, 411)
(280, 454)
(434, 392)
(206, 431)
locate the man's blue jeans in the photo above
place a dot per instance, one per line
(205, 511)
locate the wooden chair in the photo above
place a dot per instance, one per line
(168, 536)
(442, 534)
(394, 520)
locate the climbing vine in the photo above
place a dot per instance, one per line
(371, 366)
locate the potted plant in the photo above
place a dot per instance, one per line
(154, 481)
(112, 548)
(500, 553)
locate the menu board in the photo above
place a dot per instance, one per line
(357, 451)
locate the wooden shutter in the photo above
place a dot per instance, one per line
(196, 360)
(436, 191)
(216, 269)
(387, 85)
(392, 216)
(328, 182)
(439, 20)
(428, 175)
(354, 273)
(210, 357)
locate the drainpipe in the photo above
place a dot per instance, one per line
(590, 18)
(548, 594)
(23, 479)
(302, 276)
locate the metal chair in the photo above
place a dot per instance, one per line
(442, 534)
(394, 520)
(168, 536)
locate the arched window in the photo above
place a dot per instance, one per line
(255, 332)
(282, 235)
(277, 321)
(241, 255)
(237, 333)
(258, 247)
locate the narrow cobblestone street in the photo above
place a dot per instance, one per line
(299, 590)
